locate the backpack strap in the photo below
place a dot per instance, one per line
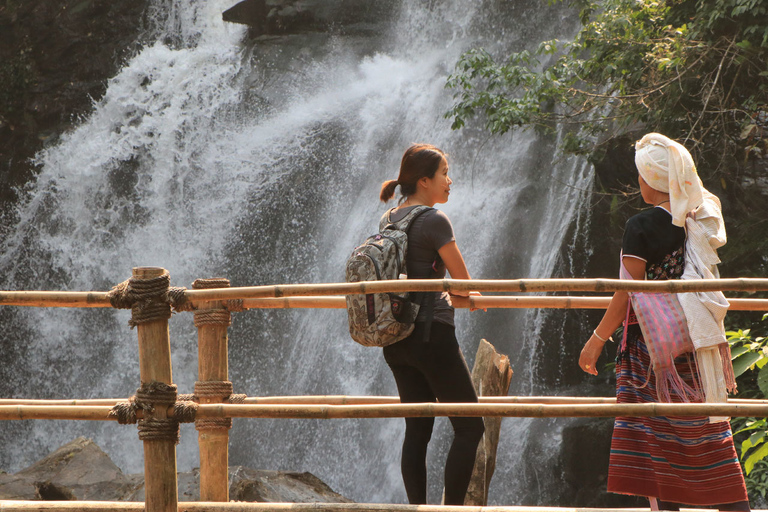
(427, 298)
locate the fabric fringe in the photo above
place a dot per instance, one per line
(668, 381)
(715, 372)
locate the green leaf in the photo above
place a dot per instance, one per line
(737, 351)
(755, 456)
(742, 363)
(762, 380)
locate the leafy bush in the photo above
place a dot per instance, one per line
(693, 69)
(750, 365)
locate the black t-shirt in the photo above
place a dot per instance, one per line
(429, 232)
(651, 236)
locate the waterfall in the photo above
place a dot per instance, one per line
(262, 163)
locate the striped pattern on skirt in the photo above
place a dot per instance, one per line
(675, 459)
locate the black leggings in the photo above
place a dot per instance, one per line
(428, 371)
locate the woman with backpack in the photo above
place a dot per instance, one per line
(428, 365)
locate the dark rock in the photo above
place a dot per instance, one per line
(256, 485)
(55, 60)
(280, 17)
(80, 470)
(584, 457)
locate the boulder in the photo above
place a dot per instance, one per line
(80, 470)
(256, 485)
(279, 17)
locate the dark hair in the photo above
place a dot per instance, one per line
(419, 161)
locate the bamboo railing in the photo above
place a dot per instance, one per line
(95, 506)
(155, 366)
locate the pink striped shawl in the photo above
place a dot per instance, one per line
(665, 331)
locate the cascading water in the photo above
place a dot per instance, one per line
(263, 166)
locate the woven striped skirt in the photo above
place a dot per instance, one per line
(676, 459)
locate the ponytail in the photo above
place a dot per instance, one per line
(388, 190)
(419, 161)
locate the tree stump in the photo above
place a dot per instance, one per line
(491, 376)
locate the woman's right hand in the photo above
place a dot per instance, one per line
(590, 353)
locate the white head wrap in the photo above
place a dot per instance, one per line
(667, 166)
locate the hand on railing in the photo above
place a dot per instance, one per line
(460, 301)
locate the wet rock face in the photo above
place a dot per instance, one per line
(80, 470)
(55, 59)
(584, 458)
(279, 17)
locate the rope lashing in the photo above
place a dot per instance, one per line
(155, 395)
(149, 397)
(218, 316)
(217, 391)
(237, 398)
(234, 305)
(146, 298)
(185, 411)
(213, 282)
(178, 299)
(212, 317)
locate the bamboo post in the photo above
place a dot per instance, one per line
(213, 386)
(161, 485)
(491, 376)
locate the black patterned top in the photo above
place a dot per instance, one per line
(651, 236)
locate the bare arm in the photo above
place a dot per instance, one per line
(454, 262)
(612, 319)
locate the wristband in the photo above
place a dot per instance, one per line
(598, 336)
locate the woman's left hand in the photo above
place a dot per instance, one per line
(475, 294)
(590, 353)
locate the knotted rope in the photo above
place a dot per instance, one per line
(218, 316)
(146, 298)
(150, 397)
(216, 391)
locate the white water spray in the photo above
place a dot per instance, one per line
(203, 159)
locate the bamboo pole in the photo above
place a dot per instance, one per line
(481, 285)
(241, 506)
(213, 366)
(155, 365)
(100, 299)
(330, 400)
(485, 302)
(420, 410)
(603, 407)
(90, 401)
(55, 412)
(49, 299)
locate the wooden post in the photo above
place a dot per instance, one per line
(212, 320)
(491, 376)
(161, 486)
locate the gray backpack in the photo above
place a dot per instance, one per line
(381, 319)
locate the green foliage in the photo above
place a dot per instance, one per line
(688, 68)
(757, 483)
(750, 364)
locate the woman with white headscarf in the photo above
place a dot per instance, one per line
(673, 461)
